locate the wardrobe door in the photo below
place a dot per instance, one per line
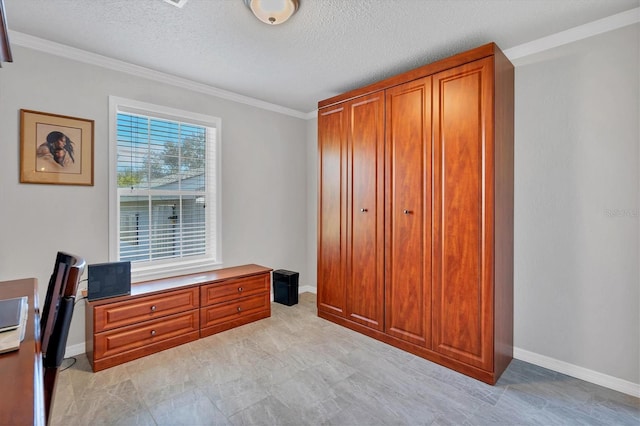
(463, 213)
(332, 213)
(408, 214)
(365, 241)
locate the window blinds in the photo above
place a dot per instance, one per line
(164, 171)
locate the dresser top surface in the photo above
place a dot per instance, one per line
(182, 281)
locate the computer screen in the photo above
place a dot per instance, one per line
(108, 280)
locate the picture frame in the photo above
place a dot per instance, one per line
(55, 149)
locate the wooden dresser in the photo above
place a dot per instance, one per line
(164, 313)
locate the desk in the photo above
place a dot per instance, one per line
(21, 388)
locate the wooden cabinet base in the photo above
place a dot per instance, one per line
(108, 362)
(422, 352)
(164, 313)
(228, 325)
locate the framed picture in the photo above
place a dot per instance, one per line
(55, 149)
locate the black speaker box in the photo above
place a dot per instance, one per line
(285, 287)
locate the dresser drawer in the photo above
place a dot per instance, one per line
(148, 333)
(233, 310)
(227, 290)
(134, 311)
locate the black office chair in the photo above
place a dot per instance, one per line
(56, 320)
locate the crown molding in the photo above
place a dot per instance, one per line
(46, 46)
(571, 35)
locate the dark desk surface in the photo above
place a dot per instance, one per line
(21, 388)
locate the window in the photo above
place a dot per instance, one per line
(165, 200)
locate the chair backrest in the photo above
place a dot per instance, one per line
(54, 290)
(56, 319)
(58, 307)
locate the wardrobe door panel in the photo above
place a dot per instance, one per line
(332, 185)
(365, 267)
(463, 217)
(408, 219)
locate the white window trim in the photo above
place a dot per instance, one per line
(170, 268)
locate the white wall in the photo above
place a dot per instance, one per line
(577, 178)
(263, 173)
(312, 201)
(577, 296)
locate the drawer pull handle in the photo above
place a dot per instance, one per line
(364, 210)
(239, 309)
(153, 308)
(153, 332)
(407, 211)
(239, 289)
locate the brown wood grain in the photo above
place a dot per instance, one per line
(464, 368)
(233, 289)
(127, 339)
(408, 218)
(423, 71)
(22, 399)
(332, 219)
(127, 312)
(504, 204)
(100, 364)
(365, 207)
(155, 318)
(463, 216)
(448, 212)
(236, 322)
(234, 309)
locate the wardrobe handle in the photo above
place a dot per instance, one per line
(407, 211)
(364, 210)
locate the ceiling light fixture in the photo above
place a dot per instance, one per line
(273, 12)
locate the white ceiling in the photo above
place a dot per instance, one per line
(328, 47)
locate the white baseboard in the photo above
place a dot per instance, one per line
(74, 350)
(578, 372)
(308, 289)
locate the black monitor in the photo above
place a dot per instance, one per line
(108, 280)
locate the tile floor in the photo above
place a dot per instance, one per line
(297, 369)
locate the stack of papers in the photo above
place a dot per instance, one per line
(13, 323)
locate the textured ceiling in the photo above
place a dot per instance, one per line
(328, 47)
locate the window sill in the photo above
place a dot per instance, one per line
(148, 273)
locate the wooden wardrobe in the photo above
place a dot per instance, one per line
(415, 223)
